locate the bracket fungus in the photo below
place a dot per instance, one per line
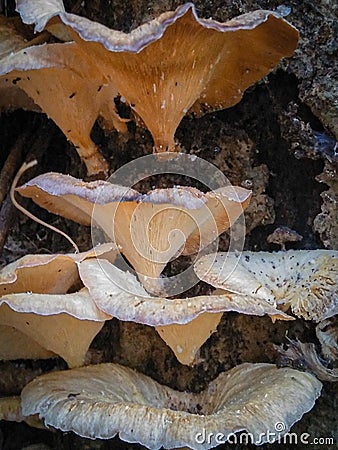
(149, 228)
(183, 323)
(177, 62)
(34, 301)
(67, 87)
(304, 280)
(103, 400)
(63, 83)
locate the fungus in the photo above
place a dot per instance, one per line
(150, 229)
(12, 39)
(47, 274)
(34, 301)
(66, 85)
(304, 280)
(65, 324)
(184, 323)
(185, 340)
(103, 400)
(177, 62)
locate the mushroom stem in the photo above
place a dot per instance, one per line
(166, 145)
(91, 156)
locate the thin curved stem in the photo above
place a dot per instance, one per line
(25, 166)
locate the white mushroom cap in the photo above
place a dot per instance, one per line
(304, 280)
(103, 400)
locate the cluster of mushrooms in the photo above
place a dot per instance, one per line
(54, 305)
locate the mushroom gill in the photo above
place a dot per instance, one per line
(103, 400)
(64, 324)
(177, 62)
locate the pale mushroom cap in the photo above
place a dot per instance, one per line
(177, 61)
(64, 324)
(149, 228)
(47, 274)
(66, 85)
(184, 323)
(250, 397)
(120, 295)
(304, 280)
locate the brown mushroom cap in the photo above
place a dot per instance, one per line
(304, 280)
(64, 324)
(186, 339)
(150, 229)
(33, 300)
(177, 62)
(66, 85)
(183, 323)
(103, 400)
(47, 274)
(12, 39)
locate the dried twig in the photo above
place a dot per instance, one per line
(10, 167)
(7, 214)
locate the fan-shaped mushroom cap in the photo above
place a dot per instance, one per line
(177, 62)
(47, 274)
(103, 400)
(150, 228)
(66, 85)
(186, 339)
(65, 324)
(184, 323)
(33, 300)
(304, 280)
